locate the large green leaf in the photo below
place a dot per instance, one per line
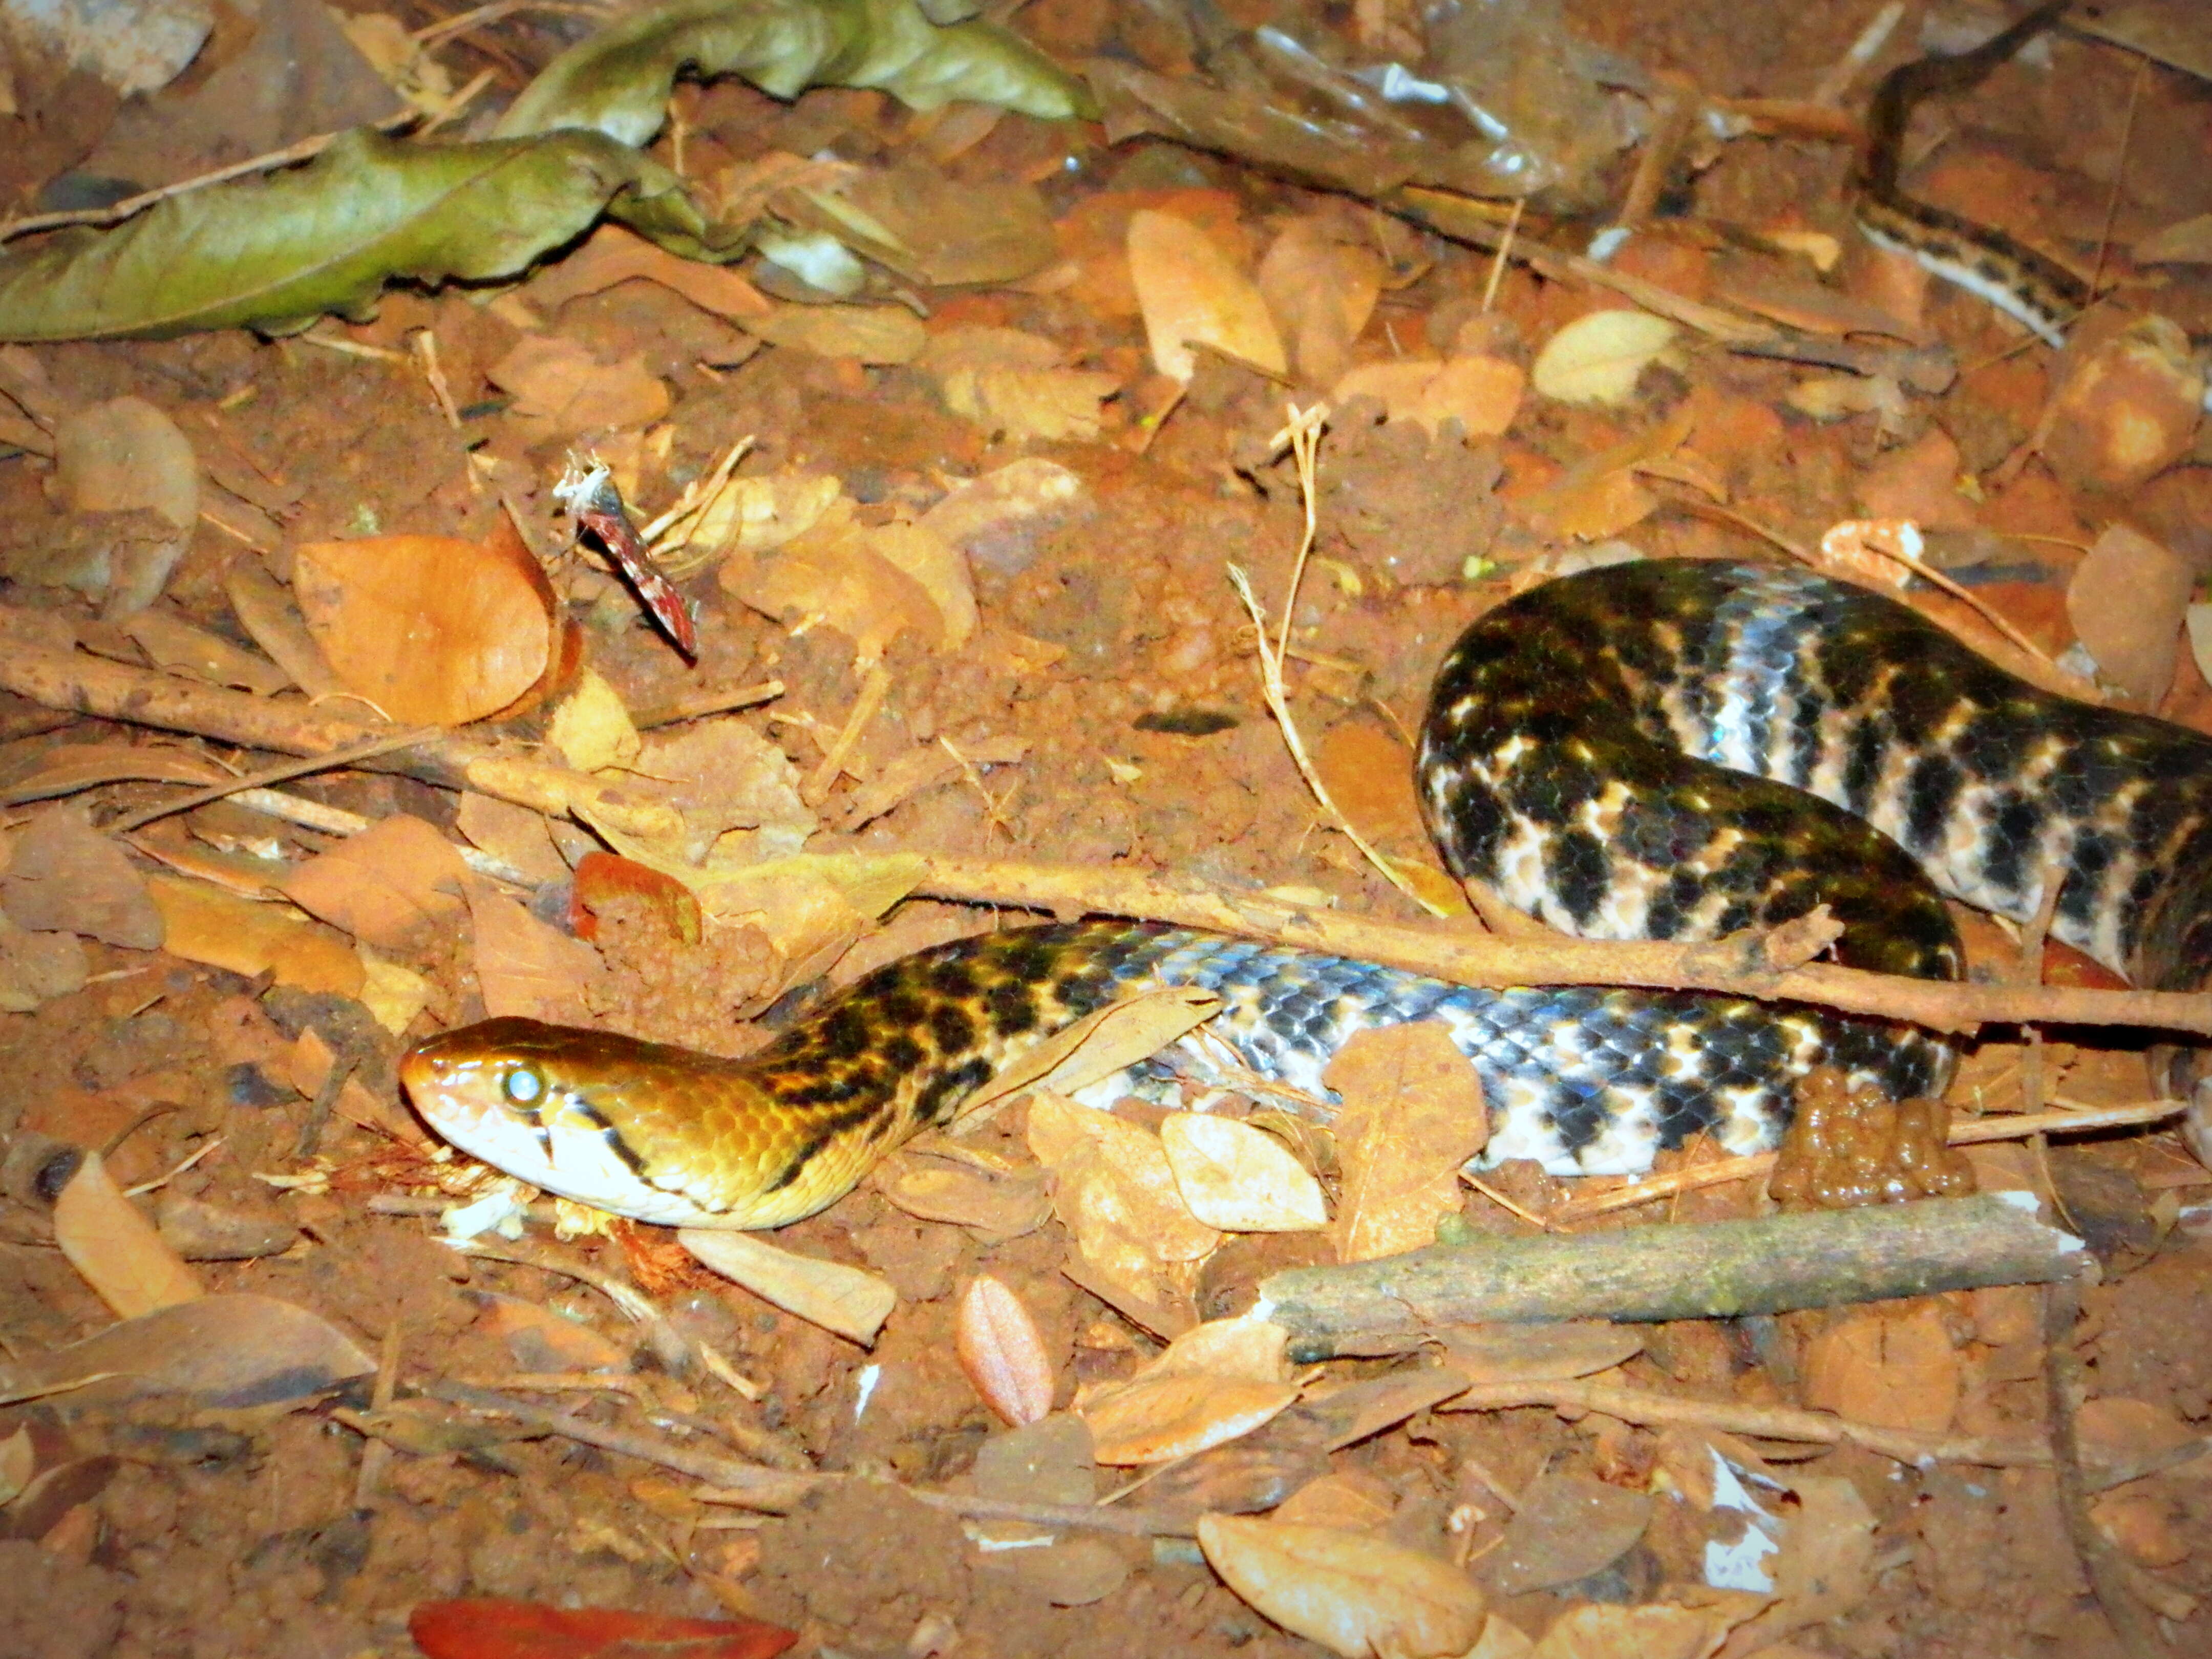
(618, 81)
(275, 253)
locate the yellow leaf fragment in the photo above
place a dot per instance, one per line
(1597, 358)
(590, 727)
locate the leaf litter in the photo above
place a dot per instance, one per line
(970, 525)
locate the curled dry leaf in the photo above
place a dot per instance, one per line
(1001, 1350)
(1359, 1595)
(846, 1300)
(1412, 1113)
(119, 1251)
(1192, 294)
(432, 630)
(612, 254)
(1155, 1418)
(1238, 1178)
(603, 878)
(1597, 358)
(2127, 601)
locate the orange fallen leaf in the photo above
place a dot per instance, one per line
(849, 1301)
(833, 574)
(1116, 1194)
(1191, 293)
(1359, 1595)
(494, 1627)
(117, 1247)
(601, 877)
(65, 877)
(1002, 1352)
(391, 886)
(1155, 1418)
(432, 630)
(611, 255)
(522, 966)
(2126, 601)
(1901, 1373)
(561, 387)
(203, 923)
(1412, 1113)
(1483, 394)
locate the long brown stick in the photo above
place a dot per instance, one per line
(61, 679)
(1469, 958)
(1687, 1271)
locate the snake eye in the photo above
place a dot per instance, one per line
(522, 1087)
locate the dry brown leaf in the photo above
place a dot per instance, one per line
(524, 967)
(1004, 504)
(1826, 1567)
(219, 1351)
(1001, 1351)
(391, 886)
(1566, 1527)
(124, 456)
(66, 877)
(1597, 358)
(1501, 1639)
(1356, 1594)
(760, 513)
(1247, 1348)
(514, 834)
(1483, 394)
(1321, 293)
(1532, 1353)
(264, 608)
(874, 334)
(1900, 1373)
(2129, 407)
(810, 906)
(833, 574)
(2186, 242)
(993, 1205)
(2127, 601)
(612, 254)
(1116, 1193)
(1046, 405)
(560, 389)
(176, 647)
(1191, 293)
(1155, 1418)
(36, 968)
(1238, 1178)
(432, 630)
(1653, 1631)
(737, 793)
(117, 1248)
(67, 768)
(1350, 1502)
(949, 233)
(942, 570)
(1412, 1113)
(203, 923)
(846, 1300)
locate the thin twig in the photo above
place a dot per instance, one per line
(366, 749)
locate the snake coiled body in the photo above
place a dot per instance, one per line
(1667, 749)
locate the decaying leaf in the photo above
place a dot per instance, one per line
(67, 768)
(1597, 358)
(119, 456)
(992, 1204)
(590, 727)
(1359, 1595)
(619, 81)
(1483, 394)
(1240, 1179)
(275, 253)
(111, 1242)
(432, 630)
(65, 876)
(177, 647)
(1412, 1113)
(522, 966)
(1826, 1567)
(1900, 1372)
(218, 1352)
(834, 574)
(36, 968)
(264, 607)
(846, 1300)
(1192, 294)
(1321, 291)
(1002, 1352)
(560, 388)
(1566, 1527)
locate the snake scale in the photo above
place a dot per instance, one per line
(1665, 748)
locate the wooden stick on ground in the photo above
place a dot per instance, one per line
(1735, 965)
(1705, 1270)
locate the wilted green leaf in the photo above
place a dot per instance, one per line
(276, 253)
(618, 81)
